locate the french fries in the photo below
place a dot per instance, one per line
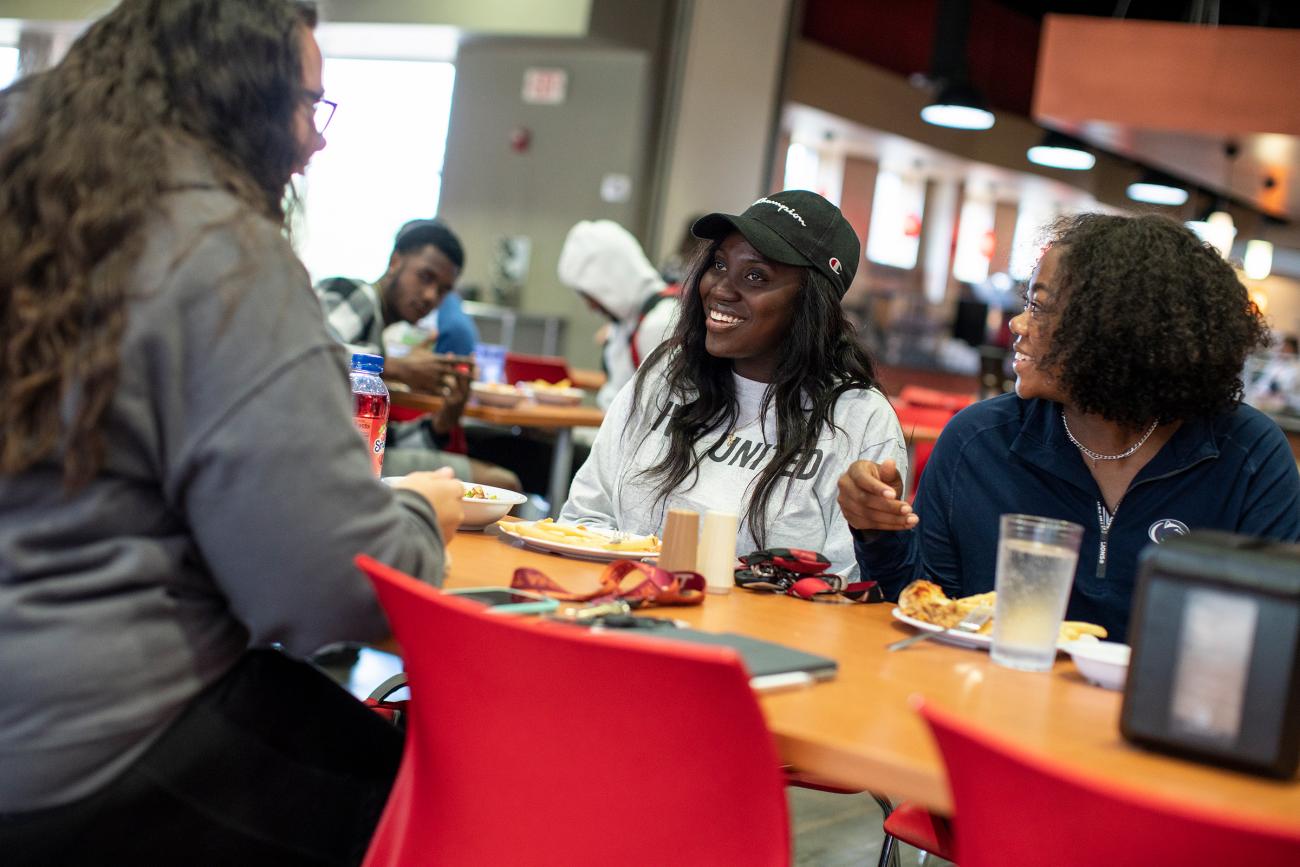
(1073, 630)
(543, 385)
(572, 534)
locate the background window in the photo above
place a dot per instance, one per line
(382, 165)
(8, 65)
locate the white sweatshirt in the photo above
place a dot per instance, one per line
(609, 491)
(602, 260)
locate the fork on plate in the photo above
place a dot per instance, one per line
(970, 623)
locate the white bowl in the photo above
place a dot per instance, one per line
(558, 396)
(481, 511)
(1104, 663)
(493, 394)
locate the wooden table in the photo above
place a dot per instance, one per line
(561, 419)
(591, 380)
(858, 729)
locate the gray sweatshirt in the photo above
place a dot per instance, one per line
(610, 492)
(234, 495)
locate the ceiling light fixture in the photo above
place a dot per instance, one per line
(1058, 151)
(955, 103)
(1258, 262)
(1155, 188)
(958, 107)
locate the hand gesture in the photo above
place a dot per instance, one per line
(443, 492)
(427, 373)
(455, 393)
(871, 497)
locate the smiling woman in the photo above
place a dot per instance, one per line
(760, 397)
(1126, 419)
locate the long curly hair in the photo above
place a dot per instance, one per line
(1152, 322)
(82, 168)
(821, 360)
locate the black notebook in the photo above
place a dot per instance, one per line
(770, 665)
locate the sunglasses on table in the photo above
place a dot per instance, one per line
(802, 574)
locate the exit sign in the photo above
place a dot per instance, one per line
(544, 86)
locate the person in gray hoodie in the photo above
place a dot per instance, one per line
(182, 490)
(603, 263)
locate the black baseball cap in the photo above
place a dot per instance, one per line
(794, 227)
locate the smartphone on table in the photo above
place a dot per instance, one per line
(507, 600)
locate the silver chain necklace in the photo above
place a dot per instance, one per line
(1097, 456)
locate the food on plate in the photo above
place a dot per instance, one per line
(574, 534)
(1074, 630)
(925, 601)
(543, 385)
(637, 544)
(495, 387)
(476, 492)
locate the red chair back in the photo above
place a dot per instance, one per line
(910, 416)
(952, 401)
(1013, 807)
(537, 743)
(526, 368)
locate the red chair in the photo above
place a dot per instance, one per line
(536, 743)
(911, 417)
(953, 402)
(1017, 808)
(526, 368)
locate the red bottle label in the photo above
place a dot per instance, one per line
(373, 431)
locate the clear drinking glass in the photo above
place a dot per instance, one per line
(1037, 558)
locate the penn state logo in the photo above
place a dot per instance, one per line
(835, 265)
(1166, 528)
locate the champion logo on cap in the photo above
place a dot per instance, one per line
(785, 209)
(835, 265)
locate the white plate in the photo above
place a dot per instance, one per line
(977, 640)
(568, 397)
(949, 636)
(496, 395)
(581, 552)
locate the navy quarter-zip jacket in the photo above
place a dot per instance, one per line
(1234, 472)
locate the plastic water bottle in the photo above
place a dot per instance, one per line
(371, 405)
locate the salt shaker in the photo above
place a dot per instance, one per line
(717, 559)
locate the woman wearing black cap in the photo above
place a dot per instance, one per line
(758, 400)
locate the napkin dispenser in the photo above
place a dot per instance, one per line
(1215, 669)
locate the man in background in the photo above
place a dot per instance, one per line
(423, 268)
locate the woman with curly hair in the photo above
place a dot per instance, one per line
(759, 399)
(163, 361)
(1126, 419)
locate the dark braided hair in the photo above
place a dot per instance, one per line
(1150, 322)
(821, 360)
(83, 164)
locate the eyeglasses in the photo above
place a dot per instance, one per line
(322, 110)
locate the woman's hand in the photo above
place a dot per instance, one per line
(871, 497)
(443, 492)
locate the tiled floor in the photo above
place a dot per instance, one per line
(829, 830)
